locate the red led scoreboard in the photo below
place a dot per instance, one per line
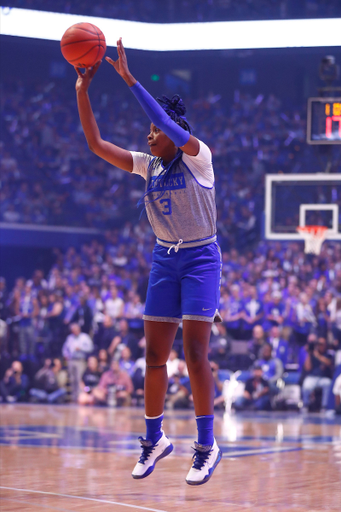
(324, 121)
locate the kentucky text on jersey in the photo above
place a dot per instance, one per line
(174, 182)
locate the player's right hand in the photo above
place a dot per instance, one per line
(84, 79)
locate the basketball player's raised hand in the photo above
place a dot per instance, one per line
(121, 64)
(84, 79)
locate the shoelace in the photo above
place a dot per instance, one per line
(200, 457)
(147, 448)
(175, 247)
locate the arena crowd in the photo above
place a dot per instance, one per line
(85, 318)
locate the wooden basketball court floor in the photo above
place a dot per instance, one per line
(69, 458)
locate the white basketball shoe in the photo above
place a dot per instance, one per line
(151, 453)
(205, 460)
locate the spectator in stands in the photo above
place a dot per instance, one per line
(219, 345)
(219, 400)
(336, 323)
(114, 305)
(252, 313)
(55, 322)
(274, 313)
(126, 362)
(139, 374)
(14, 385)
(42, 331)
(3, 336)
(179, 388)
(3, 299)
(94, 282)
(28, 310)
(318, 367)
(280, 347)
(271, 366)
(77, 347)
(133, 307)
(304, 320)
(233, 313)
(83, 315)
(337, 394)
(173, 363)
(268, 284)
(246, 224)
(257, 342)
(90, 379)
(4, 313)
(103, 361)
(105, 334)
(49, 383)
(13, 322)
(125, 338)
(120, 380)
(37, 283)
(70, 302)
(256, 393)
(97, 307)
(303, 352)
(322, 316)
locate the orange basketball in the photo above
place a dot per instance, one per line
(83, 45)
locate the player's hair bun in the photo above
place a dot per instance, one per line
(173, 106)
(176, 110)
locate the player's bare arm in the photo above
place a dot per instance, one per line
(110, 152)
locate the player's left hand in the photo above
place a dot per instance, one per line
(121, 64)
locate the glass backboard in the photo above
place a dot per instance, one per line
(293, 200)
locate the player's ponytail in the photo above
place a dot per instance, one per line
(176, 110)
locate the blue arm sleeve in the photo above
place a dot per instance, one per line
(159, 117)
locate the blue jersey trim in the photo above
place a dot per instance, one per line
(200, 185)
(150, 163)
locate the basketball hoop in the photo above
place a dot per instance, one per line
(314, 236)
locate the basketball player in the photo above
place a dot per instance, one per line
(185, 276)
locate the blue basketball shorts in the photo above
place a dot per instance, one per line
(184, 285)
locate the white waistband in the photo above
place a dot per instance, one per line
(185, 245)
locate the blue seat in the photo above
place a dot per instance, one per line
(224, 375)
(244, 376)
(292, 378)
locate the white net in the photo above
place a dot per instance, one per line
(314, 236)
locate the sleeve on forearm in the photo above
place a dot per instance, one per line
(279, 371)
(88, 345)
(159, 117)
(65, 350)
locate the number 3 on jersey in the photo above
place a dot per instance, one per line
(167, 206)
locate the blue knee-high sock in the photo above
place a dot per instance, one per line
(154, 426)
(205, 429)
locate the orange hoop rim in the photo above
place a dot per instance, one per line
(314, 231)
(313, 236)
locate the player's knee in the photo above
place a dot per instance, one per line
(153, 358)
(195, 358)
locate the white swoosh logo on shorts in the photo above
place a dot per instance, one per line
(206, 309)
